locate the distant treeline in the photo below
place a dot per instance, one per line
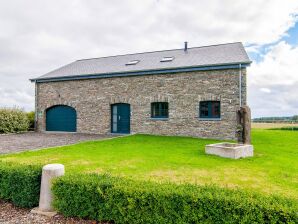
(277, 119)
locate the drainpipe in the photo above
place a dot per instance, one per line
(240, 86)
(35, 115)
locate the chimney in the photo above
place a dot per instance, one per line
(185, 46)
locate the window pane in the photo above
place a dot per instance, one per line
(114, 118)
(159, 110)
(204, 109)
(210, 109)
(114, 127)
(154, 110)
(164, 109)
(115, 109)
(133, 62)
(215, 110)
(166, 59)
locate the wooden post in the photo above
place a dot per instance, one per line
(244, 121)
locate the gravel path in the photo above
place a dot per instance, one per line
(32, 140)
(9, 214)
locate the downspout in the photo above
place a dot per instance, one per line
(240, 86)
(35, 114)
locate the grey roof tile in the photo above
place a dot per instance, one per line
(222, 54)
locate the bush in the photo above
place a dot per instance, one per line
(125, 201)
(13, 120)
(20, 184)
(31, 119)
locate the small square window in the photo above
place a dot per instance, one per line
(167, 59)
(160, 110)
(133, 62)
(210, 109)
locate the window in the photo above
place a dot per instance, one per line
(166, 59)
(210, 109)
(133, 62)
(160, 110)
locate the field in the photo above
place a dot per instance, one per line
(273, 169)
(273, 125)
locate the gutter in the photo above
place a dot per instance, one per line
(139, 73)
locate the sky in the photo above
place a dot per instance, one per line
(39, 36)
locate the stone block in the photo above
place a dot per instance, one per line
(230, 150)
(49, 172)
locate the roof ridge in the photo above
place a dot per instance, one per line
(147, 52)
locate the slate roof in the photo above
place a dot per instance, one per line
(214, 55)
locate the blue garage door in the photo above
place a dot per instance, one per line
(61, 118)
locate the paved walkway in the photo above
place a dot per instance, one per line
(32, 140)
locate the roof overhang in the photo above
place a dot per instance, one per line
(146, 72)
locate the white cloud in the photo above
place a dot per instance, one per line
(265, 90)
(39, 36)
(273, 82)
(279, 66)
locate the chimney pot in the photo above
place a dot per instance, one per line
(185, 46)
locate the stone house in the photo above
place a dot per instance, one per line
(186, 92)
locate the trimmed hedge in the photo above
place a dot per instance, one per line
(13, 120)
(31, 119)
(104, 198)
(20, 184)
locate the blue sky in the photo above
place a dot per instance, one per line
(39, 36)
(290, 37)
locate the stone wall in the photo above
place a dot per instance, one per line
(92, 100)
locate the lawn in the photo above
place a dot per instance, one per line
(273, 169)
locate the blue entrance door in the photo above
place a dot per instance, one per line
(120, 118)
(61, 118)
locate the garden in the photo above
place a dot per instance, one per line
(158, 179)
(273, 169)
(162, 179)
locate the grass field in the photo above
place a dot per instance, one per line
(273, 169)
(273, 125)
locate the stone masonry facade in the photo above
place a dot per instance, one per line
(92, 100)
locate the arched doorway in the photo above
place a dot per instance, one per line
(61, 118)
(120, 118)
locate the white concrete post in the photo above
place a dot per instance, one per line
(49, 172)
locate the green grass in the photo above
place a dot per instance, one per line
(273, 169)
